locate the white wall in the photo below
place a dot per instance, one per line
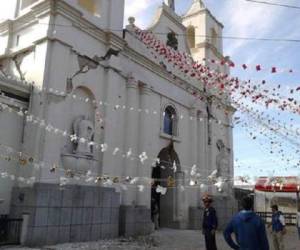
(11, 134)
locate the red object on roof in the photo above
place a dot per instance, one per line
(289, 184)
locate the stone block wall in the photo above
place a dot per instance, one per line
(195, 218)
(225, 207)
(135, 220)
(71, 213)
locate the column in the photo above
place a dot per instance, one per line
(202, 144)
(193, 136)
(193, 146)
(229, 144)
(202, 161)
(144, 170)
(211, 129)
(131, 139)
(230, 140)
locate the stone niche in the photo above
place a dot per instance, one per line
(79, 154)
(71, 213)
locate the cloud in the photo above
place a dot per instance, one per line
(7, 10)
(141, 10)
(244, 19)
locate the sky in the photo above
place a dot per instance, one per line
(242, 18)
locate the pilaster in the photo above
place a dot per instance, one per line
(144, 170)
(131, 140)
(193, 136)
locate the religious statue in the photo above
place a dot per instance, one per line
(223, 160)
(84, 130)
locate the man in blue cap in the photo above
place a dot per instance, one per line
(210, 223)
(249, 229)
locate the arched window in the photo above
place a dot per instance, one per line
(170, 121)
(172, 40)
(191, 36)
(214, 38)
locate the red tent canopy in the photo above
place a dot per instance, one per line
(278, 184)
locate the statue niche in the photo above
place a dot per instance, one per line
(78, 154)
(223, 160)
(84, 129)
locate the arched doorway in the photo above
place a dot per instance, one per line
(168, 174)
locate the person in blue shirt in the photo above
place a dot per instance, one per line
(210, 223)
(249, 229)
(278, 228)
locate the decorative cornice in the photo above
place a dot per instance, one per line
(56, 97)
(193, 112)
(4, 26)
(158, 70)
(226, 105)
(131, 82)
(16, 104)
(208, 45)
(16, 87)
(145, 89)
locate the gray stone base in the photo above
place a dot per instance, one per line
(135, 220)
(226, 207)
(70, 214)
(195, 218)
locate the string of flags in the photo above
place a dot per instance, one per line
(118, 181)
(103, 147)
(217, 83)
(123, 107)
(209, 77)
(143, 157)
(244, 66)
(160, 184)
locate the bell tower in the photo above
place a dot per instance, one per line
(171, 4)
(204, 33)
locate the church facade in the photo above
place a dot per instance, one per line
(95, 127)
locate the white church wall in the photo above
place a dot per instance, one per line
(109, 14)
(3, 39)
(60, 69)
(11, 135)
(114, 123)
(87, 44)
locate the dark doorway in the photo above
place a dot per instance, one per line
(166, 175)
